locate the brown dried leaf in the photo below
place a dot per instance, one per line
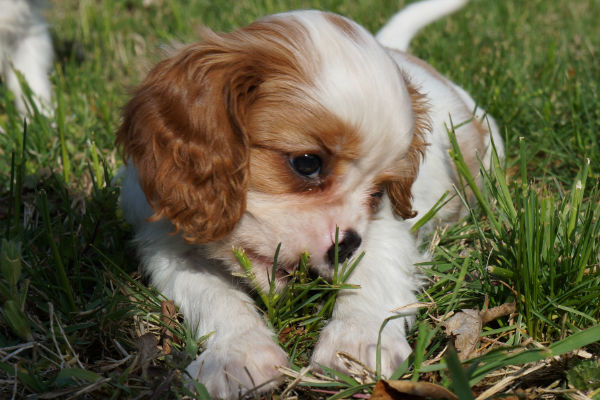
(147, 345)
(407, 390)
(466, 326)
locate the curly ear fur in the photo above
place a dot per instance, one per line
(189, 151)
(184, 128)
(399, 188)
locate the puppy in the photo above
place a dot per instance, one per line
(281, 132)
(25, 46)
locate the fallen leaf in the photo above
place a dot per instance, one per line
(290, 332)
(465, 326)
(147, 345)
(408, 390)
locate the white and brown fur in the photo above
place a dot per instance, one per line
(210, 138)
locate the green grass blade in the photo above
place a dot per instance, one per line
(60, 269)
(60, 120)
(573, 342)
(460, 383)
(348, 393)
(429, 215)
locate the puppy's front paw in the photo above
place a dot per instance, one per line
(231, 367)
(358, 338)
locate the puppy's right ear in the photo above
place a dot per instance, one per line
(183, 130)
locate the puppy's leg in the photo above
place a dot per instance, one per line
(388, 280)
(241, 352)
(32, 56)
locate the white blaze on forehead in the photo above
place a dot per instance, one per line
(360, 84)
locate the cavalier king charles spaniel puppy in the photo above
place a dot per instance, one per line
(280, 133)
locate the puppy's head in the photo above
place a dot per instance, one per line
(276, 133)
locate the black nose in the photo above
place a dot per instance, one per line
(346, 247)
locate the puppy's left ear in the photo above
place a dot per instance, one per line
(399, 188)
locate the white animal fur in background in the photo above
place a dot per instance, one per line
(25, 46)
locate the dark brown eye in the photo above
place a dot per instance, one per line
(377, 195)
(307, 165)
(375, 199)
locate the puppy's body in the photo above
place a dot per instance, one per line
(25, 46)
(448, 109)
(279, 133)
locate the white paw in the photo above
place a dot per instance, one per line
(358, 338)
(231, 367)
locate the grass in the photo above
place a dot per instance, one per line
(78, 321)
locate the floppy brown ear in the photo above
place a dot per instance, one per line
(183, 129)
(399, 188)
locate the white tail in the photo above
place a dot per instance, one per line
(406, 23)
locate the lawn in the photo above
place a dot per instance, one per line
(78, 320)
